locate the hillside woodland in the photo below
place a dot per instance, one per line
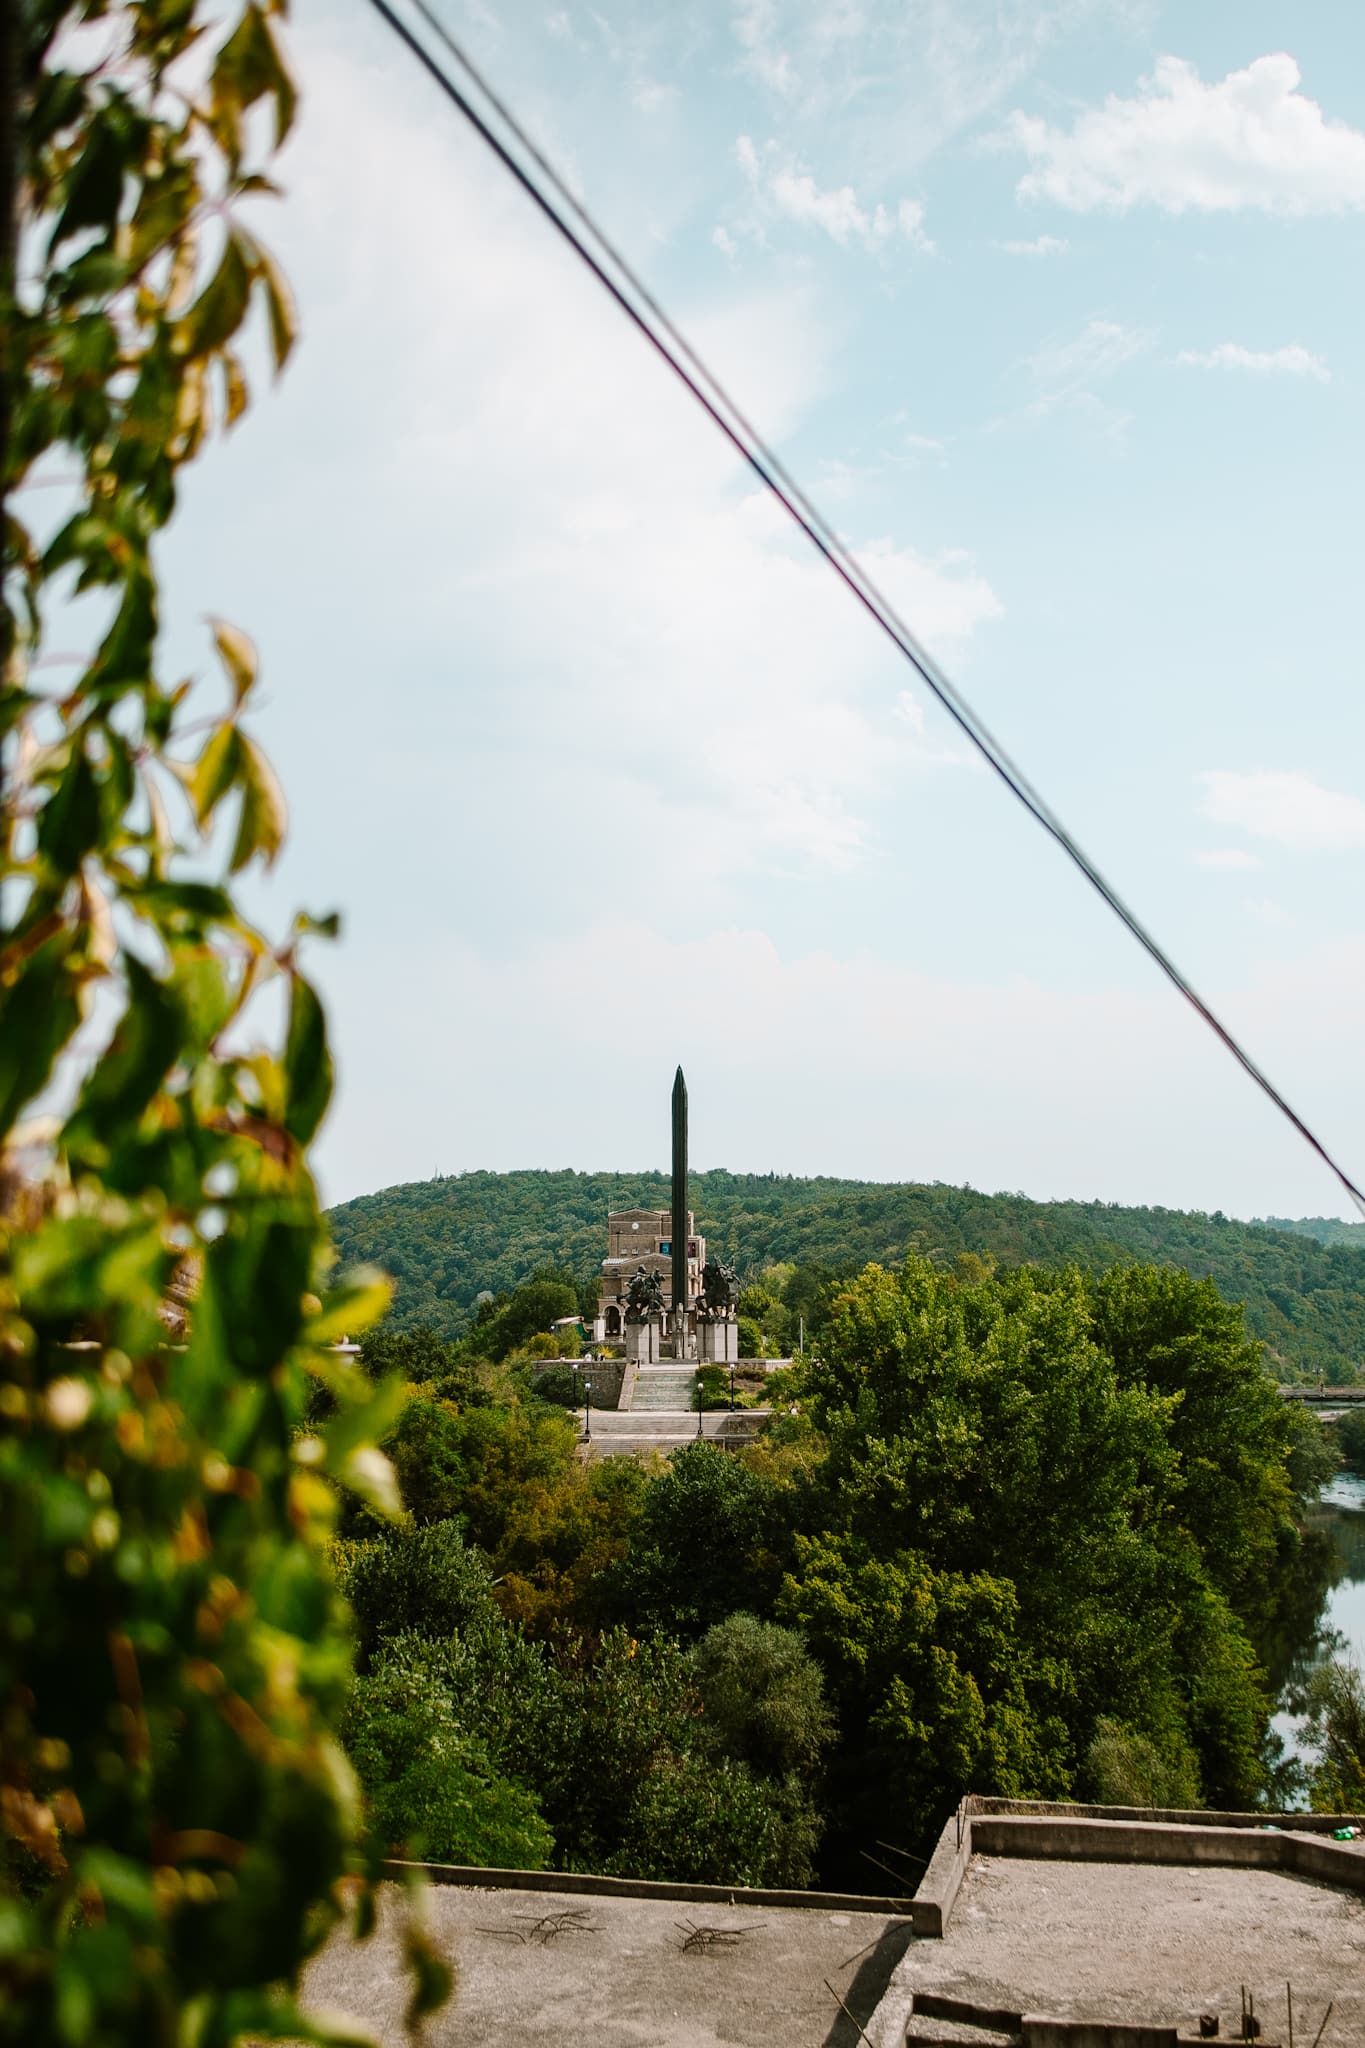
(1034, 1533)
(446, 1241)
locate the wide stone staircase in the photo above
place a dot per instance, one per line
(662, 1387)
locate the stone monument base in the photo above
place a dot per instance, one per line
(719, 1342)
(642, 1343)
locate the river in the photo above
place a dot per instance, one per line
(1336, 1625)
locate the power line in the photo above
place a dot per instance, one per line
(682, 359)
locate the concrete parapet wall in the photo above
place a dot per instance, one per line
(932, 1905)
(1207, 1817)
(1109, 1835)
(476, 1877)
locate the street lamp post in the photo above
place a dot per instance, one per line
(575, 1386)
(587, 1411)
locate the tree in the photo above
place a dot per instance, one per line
(433, 1789)
(711, 1538)
(528, 1312)
(175, 1811)
(1336, 1719)
(414, 1355)
(1016, 1534)
(764, 1696)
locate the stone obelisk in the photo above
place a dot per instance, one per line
(679, 1231)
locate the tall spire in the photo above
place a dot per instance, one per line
(679, 1231)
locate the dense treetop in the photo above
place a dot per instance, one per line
(447, 1240)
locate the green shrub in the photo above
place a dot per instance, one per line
(1350, 1431)
(695, 1820)
(419, 1579)
(558, 1384)
(1124, 1768)
(433, 1791)
(1336, 1718)
(764, 1696)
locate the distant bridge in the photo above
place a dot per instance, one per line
(1324, 1397)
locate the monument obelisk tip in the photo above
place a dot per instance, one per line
(681, 1304)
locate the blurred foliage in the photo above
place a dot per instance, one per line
(445, 1239)
(177, 1815)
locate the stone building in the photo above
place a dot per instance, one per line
(642, 1237)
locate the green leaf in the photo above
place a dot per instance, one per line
(356, 1305)
(235, 392)
(284, 319)
(39, 1012)
(215, 771)
(367, 1421)
(179, 906)
(431, 1976)
(249, 66)
(307, 1062)
(238, 657)
(95, 184)
(124, 660)
(261, 826)
(145, 1046)
(121, 1882)
(69, 825)
(220, 308)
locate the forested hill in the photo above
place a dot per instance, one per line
(1326, 1229)
(446, 1240)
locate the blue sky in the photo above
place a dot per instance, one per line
(1057, 309)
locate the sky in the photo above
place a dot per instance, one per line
(1056, 310)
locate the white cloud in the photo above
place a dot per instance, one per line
(754, 26)
(723, 240)
(910, 216)
(1101, 347)
(1250, 140)
(1286, 807)
(837, 211)
(1230, 859)
(1041, 245)
(630, 614)
(1265, 910)
(1290, 361)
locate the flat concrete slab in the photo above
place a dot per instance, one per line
(615, 1972)
(1112, 1941)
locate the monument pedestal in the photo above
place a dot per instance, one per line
(719, 1341)
(642, 1342)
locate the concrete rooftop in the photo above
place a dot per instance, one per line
(621, 1977)
(1122, 1941)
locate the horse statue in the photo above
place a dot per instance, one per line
(644, 1296)
(719, 1288)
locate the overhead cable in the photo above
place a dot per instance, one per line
(645, 313)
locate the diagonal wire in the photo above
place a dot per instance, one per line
(673, 348)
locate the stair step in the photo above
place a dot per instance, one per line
(660, 1389)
